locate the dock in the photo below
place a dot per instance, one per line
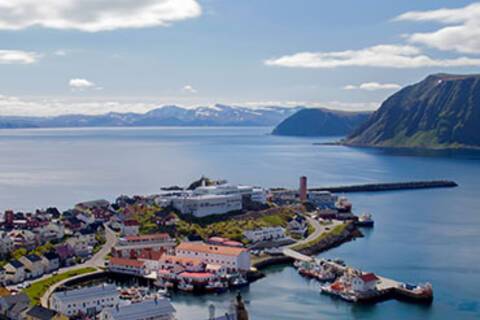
(391, 186)
(385, 288)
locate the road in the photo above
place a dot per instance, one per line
(97, 261)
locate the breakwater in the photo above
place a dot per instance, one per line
(392, 186)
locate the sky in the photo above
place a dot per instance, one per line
(97, 56)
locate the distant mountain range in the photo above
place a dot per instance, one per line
(442, 111)
(321, 122)
(218, 115)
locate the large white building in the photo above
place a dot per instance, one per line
(265, 234)
(89, 300)
(127, 266)
(207, 204)
(234, 259)
(159, 309)
(255, 193)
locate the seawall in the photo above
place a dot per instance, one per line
(393, 186)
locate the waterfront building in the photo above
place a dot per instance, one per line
(323, 199)
(255, 194)
(158, 309)
(234, 259)
(265, 234)
(14, 271)
(88, 300)
(34, 266)
(132, 246)
(364, 282)
(127, 266)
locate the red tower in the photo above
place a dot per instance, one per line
(303, 188)
(9, 217)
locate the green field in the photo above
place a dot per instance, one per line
(38, 289)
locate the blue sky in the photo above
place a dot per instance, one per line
(133, 55)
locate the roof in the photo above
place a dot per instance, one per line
(156, 236)
(368, 277)
(51, 255)
(148, 254)
(94, 204)
(182, 260)
(42, 313)
(212, 249)
(33, 258)
(149, 309)
(130, 223)
(217, 239)
(232, 243)
(198, 275)
(16, 264)
(126, 262)
(90, 293)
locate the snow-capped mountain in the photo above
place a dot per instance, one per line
(169, 115)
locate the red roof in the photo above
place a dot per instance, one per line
(149, 254)
(130, 223)
(198, 275)
(368, 277)
(232, 243)
(211, 249)
(126, 262)
(156, 236)
(217, 239)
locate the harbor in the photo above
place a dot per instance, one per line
(356, 286)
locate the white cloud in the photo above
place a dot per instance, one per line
(60, 53)
(18, 57)
(189, 89)
(461, 33)
(373, 86)
(391, 56)
(94, 16)
(82, 84)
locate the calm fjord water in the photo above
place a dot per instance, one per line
(428, 235)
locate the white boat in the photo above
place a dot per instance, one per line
(183, 286)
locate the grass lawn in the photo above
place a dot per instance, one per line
(335, 231)
(38, 289)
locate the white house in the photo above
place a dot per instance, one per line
(80, 245)
(34, 267)
(265, 234)
(364, 282)
(88, 300)
(14, 271)
(234, 259)
(297, 225)
(130, 228)
(158, 309)
(51, 232)
(127, 266)
(51, 262)
(6, 244)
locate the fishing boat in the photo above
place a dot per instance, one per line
(365, 220)
(186, 287)
(239, 282)
(216, 286)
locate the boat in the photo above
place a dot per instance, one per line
(186, 287)
(216, 286)
(420, 292)
(365, 220)
(239, 282)
(343, 205)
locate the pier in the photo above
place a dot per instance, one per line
(385, 288)
(391, 186)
